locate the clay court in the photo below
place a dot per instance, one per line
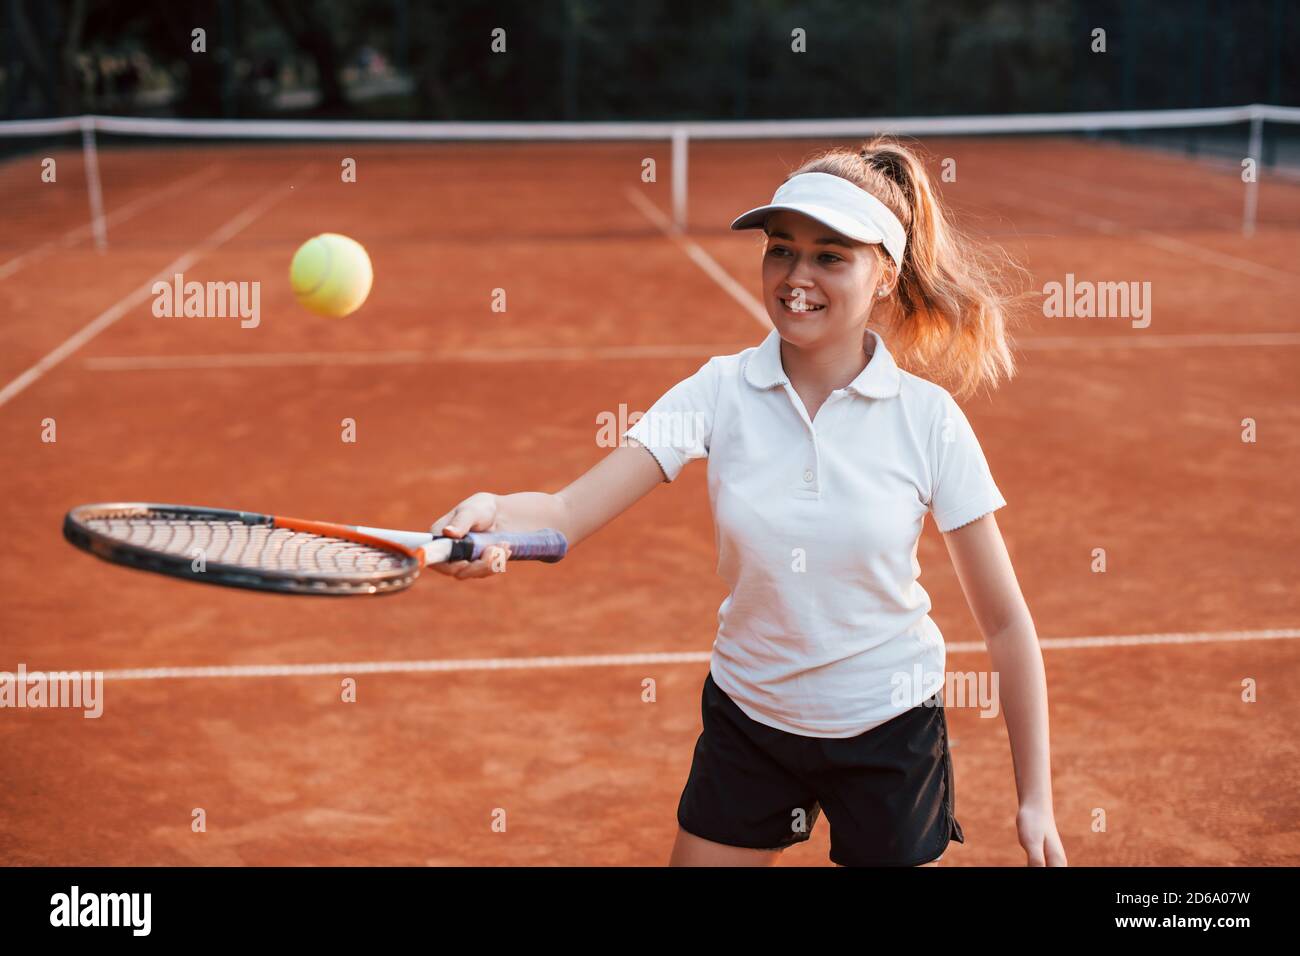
(524, 692)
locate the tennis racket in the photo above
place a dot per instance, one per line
(243, 549)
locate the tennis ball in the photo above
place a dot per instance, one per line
(331, 274)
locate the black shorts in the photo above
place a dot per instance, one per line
(888, 793)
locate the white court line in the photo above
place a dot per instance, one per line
(1083, 187)
(1059, 181)
(117, 216)
(706, 262)
(1110, 227)
(406, 357)
(1137, 640)
(624, 660)
(697, 255)
(123, 305)
(1140, 340)
(1216, 258)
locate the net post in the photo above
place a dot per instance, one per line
(1255, 151)
(91, 155)
(679, 174)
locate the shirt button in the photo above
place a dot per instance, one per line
(808, 475)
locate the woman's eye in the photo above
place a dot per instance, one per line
(783, 252)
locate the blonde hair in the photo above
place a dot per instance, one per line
(951, 312)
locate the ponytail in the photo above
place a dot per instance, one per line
(951, 307)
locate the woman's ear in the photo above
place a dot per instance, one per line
(885, 284)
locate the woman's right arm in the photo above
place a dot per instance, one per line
(606, 490)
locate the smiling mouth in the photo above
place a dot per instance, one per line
(789, 305)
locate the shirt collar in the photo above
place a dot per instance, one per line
(880, 379)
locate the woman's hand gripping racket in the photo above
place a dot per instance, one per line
(266, 553)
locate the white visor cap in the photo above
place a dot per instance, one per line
(837, 203)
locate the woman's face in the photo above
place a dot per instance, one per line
(818, 285)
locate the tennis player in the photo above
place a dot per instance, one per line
(825, 690)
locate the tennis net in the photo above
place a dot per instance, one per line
(1230, 169)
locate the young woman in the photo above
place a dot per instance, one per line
(824, 457)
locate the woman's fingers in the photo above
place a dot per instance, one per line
(494, 561)
(476, 513)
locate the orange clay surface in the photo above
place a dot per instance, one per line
(1100, 442)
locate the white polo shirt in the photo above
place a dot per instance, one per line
(817, 525)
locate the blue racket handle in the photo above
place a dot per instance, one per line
(545, 545)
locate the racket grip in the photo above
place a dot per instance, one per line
(546, 545)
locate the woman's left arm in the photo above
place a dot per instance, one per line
(983, 567)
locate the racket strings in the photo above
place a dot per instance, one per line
(255, 547)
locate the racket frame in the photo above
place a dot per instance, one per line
(78, 533)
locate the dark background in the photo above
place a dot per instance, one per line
(648, 59)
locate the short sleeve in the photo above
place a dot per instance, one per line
(962, 486)
(677, 428)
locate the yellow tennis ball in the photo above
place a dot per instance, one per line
(331, 274)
